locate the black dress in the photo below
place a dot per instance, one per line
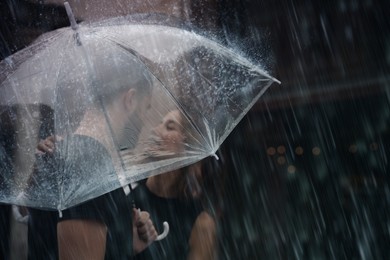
(180, 215)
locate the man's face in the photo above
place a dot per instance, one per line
(135, 123)
(143, 107)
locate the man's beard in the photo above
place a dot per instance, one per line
(131, 132)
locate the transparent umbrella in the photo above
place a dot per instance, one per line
(48, 87)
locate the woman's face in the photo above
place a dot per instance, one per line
(168, 135)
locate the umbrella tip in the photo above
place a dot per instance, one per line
(276, 80)
(215, 156)
(69, 12)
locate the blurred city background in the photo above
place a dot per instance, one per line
(307, 168)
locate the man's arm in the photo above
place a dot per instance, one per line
(86, 239)
(81, 239)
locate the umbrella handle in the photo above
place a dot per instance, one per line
(18, 216)
(164, 233)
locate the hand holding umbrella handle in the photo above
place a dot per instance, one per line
(164, 233)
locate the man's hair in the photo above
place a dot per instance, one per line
(116, 70)
(102, 69)
(94, 74)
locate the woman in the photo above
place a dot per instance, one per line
(178, 198)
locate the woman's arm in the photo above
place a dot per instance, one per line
(203, 238)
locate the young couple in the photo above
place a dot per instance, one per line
(108, 227)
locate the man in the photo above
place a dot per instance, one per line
(100, 228)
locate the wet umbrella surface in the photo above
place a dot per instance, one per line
(70, 70)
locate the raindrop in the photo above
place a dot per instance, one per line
(299, 150)
(316, 151)
(281, 149)
(352, 148)
(281, 160)
(291, 169)
(271, 151)
(35, 114)
(374, 146)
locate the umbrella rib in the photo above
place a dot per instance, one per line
(211, 85)
(110, 35)
(217, 143)
(61, 178)
(243, 113)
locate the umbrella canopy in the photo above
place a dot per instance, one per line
(48, 88)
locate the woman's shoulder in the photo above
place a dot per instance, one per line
(203, 241)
